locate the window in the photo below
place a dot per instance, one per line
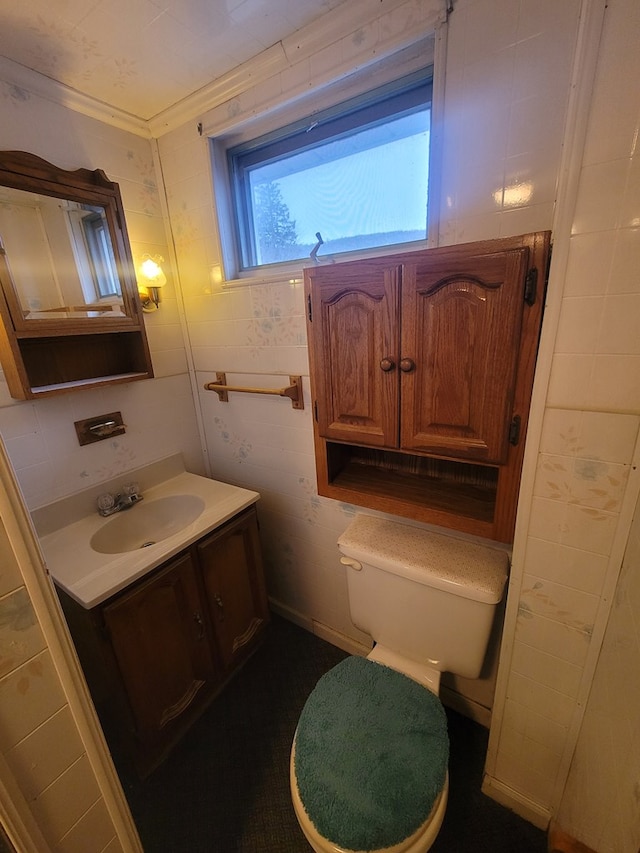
(350, 178)
(100, 253)
(93, 252)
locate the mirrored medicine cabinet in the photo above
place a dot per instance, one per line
(70, 311)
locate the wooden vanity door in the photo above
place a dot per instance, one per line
(231, 564)
(158, 634)
(353, 350)
(461, 324)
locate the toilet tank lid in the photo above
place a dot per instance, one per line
(454, 565)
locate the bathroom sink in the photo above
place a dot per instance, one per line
(92, 558)
(147, 523)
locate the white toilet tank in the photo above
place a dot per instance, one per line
(426, 596)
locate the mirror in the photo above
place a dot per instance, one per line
(65, 253)
(59, 255)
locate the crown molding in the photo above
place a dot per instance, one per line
(326, 30)
(26, 79)
(230, 85)
(321, 33)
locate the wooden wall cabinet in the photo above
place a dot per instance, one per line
(421, 373)
(70, 315)
(156, 654)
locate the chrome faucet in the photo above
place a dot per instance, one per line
(109, 504)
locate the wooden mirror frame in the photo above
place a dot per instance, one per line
(71, 350)
(30, 173)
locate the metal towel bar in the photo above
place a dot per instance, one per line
(293, 391)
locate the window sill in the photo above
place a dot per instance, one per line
(293, 274)
(286, 276)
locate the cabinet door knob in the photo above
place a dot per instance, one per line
(407, 365)
(220, 604)
(387, 364)
(197, 618)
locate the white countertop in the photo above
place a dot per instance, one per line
(91, 577)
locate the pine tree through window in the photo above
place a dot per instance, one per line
(358, 174)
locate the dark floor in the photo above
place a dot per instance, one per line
(226, 788)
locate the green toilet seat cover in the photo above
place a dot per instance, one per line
(371, 755)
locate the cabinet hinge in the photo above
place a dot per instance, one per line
(514, 430)
(531, 286)
(309, 308)
(315, 410)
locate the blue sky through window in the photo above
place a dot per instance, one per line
(368, 184)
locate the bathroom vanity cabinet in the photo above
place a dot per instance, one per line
(421, 373)
(155, 654)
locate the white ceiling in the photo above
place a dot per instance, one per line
(145, 56)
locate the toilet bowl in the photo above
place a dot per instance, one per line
(420, 842)
(368, 768)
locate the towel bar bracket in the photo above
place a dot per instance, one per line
(293, 391)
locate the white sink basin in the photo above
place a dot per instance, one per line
(147, 523)
(92, 558)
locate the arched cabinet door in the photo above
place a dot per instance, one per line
(461, 325)
(233, 581)
(354, 351)
(158, 634)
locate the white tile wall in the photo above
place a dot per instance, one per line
(41, 440)
(40, 435)
(506, 97)
(585, 480)
(601, 800)
(261, 328)
(38, 735)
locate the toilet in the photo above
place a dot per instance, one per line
(368, 766)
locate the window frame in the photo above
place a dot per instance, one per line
(100, 255)
(394, 98)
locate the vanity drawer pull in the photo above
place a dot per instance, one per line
(197, 618)
(220, 604)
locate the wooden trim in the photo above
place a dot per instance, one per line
(560, 841)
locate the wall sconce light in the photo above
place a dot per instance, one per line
(150, 279)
